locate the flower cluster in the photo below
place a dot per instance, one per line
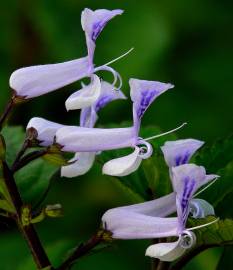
(145, 220)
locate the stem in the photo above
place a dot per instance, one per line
(29, 233)
(7, 111)
(80, 251)
(27, 159)
(163, 265)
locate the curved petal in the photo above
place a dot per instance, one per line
(81, 139)
(34, 81)
(124, 165)
(93, 23)
(46, 130)
(167, 252)
(200, 208)
(82, 163)
(132, 225)
(180, 152)
(85, 97)
(143, 93)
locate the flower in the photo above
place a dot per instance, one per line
(149, 219)
(86, 139)
(46, 130)
(83, 161)
(186, 180)
(34, 81)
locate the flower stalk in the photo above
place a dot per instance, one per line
(29, 233)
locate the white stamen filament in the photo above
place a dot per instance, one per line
(165, 133)
(203, 225)
(119, 57)
(210, 184)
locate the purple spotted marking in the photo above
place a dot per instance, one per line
(97, 28)
(102, 102)
(147, 96)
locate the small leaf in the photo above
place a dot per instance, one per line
(7, 206)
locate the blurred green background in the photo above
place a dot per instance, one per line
(188, 43)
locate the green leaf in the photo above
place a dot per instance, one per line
(7, 206)
(226, 260)
(34, 179)
(14, 137)
(55, 155)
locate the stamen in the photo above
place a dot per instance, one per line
(146, 150)
(165, 133)
(211, 183)
(203, 225)
(119, 57)
(116, 75)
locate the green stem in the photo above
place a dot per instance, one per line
(28, 232)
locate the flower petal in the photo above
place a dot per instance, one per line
(167, 252)
(93, 23)
(46, 130)
(200, 208)
(88, 116)
(34, 81)
(82, 164)
(85, 97)
(124, 165)
(180, 152)
(143, 93)
(81, 139)
(129, 225)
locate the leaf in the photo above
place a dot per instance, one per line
(226, 260)
(14, 137)
(55, 156)
(7, 206)
(34, 179)
(219, 233)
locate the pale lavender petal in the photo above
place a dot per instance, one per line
(129, 225)
(81, 139)
(124, 165)
(85, 97)
(160, 207)
(34, 81)
(81, 164)
(200, 208)
(46, 130)
(180, 152)
(88, 116)
(93, 23)
(143, 93)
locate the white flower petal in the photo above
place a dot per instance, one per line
(124, 165)
(166, 251)
(85, 97)
(82, 164)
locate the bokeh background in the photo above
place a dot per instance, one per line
(188, 43)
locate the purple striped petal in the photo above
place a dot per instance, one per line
(180, 152)
(93, 23)
(34, 81)
(143, 93)
(186, 180)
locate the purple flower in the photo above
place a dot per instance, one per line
(86, 139)
(34, 81)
